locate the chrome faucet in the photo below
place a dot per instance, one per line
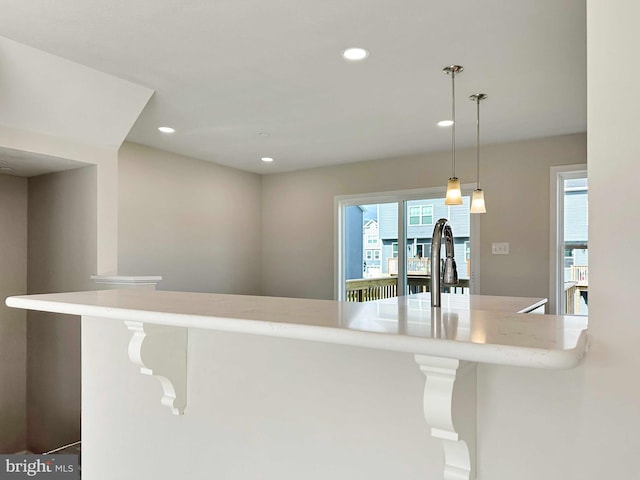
(449, 276)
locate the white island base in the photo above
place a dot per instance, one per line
(287, 388)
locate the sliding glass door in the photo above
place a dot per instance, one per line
(421, 216)
(384, 243)
(370, 248)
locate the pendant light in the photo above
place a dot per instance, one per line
(454, 194)
(477, 199)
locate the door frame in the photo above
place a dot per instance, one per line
(556, 231)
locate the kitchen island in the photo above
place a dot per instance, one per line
(174, 335)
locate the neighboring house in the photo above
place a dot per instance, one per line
(372, 249)
(576, 225)
(421, 218)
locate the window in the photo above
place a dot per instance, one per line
(421, 215)
(369, 254)
(418, 249)
(394, 249)
(372, 239)
(568, 257)
(376, 254)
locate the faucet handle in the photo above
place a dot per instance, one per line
(450, 272)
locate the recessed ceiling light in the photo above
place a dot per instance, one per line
(445, 123)
(264, 134)
(267, 159)
(167, 129)
(355, 54)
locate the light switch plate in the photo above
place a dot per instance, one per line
(500, 248)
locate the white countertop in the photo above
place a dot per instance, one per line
(475, 328)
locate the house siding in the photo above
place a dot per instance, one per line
(576, 225)
(353, 242)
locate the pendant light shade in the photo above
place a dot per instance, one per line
(477, 199)
(477, 202)
(454, 195)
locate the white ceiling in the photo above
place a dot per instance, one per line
(226, 70)
(29, 164)
(52, 96)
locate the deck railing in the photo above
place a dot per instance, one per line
(571, 298)
(367, 289)
(415, 266)
(421, 284)
(418, 266)
(580, 274)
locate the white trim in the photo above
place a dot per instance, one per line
(402, 252)
(398, 195)
(474, 237)
(79, 442)
(338, 248)
(401, 197)
(556, 227)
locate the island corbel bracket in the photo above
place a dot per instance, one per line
(450, 411)
(161, 351)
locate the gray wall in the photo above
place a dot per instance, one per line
(195, 223)
(13, 322)
(298, 213)
(61, 257)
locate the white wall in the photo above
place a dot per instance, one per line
(106, 160)
(584, 424)
(61, 257)
(298, 213)
(195, 223)
(610, 404)
(257, 408)
(13, 323)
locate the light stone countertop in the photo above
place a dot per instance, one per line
(485, 329)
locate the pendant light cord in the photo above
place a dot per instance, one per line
(478, 144)
(453, 127)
